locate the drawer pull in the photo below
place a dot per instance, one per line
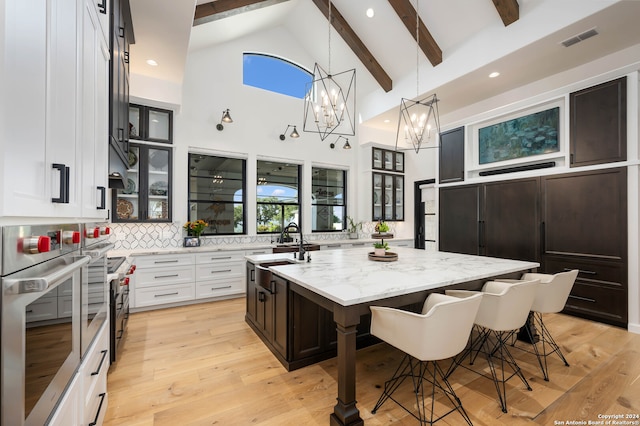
(221, 258)
(167, 276)
(358, 244)
(166, 294)
(333, 245)
(582, 271)
(166, 261)
(104, 354)
(220, 288)
(221, 270)
(586, 299)
(258, 252)
(261, 296)
(95, 419)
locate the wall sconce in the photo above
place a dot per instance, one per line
(294, 133)
(345, 146)
(225, 118)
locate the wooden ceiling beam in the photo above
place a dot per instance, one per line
(509, 10)
(357, 46)
(219, 9)
(428, 45)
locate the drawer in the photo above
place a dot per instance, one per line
(222, 270)
(152, 296)
(96, 410)
(592, 301)
(357, 245)
(143, 262)
(162, 276)
(257, 251)
(43, 309)
(219, 257)
(214, 288)
(333, 246)
(95, 366)
(593, 272)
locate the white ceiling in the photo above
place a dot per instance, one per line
(470, 33)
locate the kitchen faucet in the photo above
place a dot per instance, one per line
(287, 229)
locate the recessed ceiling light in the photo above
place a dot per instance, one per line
(494, 74)
(370, 13)
(387, 121)
(152, 62)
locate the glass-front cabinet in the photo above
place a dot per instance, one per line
(387, 196)
(147, 194)
(387, 160)
(150, 124)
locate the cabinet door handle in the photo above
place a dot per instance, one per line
(586, 299)
(102, 7)
(261, 297)
(166, 294)
(221, 258)
(220, 288)
(120, 134)
(220, 271)
(543, 244)
(166, 276)
(582, 271)
(63, 197)
(166, 261)
(121, 32)
(104, 354)
(95, 419)
(103, 198)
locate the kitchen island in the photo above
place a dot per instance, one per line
(346, 283)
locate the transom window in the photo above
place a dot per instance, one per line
(275, 74)
(328, 205)
(278, 201)
(217, 193)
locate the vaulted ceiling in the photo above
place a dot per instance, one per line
(520, 38)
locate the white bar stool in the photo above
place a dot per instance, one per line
(504, 309)
(441, 331)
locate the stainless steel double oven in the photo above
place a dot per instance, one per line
(54, 298)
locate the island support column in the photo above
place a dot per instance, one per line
(345, 412)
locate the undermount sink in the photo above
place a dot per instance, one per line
(264, 276)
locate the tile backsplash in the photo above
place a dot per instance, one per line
(134, 236)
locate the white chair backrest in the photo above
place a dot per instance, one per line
(439, 333)
(505, 306)
(553, 290)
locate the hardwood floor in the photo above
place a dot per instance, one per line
(202, 365)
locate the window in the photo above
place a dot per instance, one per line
(278, 202)
(275, 74)
(217, 193)
(328, 205)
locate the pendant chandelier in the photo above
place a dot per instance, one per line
(419, 121)
(330, 100)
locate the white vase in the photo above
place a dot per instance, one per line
(379, 251)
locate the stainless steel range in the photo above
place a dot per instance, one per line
(42, 270)
(120, 271)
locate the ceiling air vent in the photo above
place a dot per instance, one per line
(578, 38)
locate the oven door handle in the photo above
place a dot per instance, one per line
(99, 252)
(41, 284)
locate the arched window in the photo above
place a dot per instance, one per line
(275, 74)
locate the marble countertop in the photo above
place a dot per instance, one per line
(348, 277)
(236, 247)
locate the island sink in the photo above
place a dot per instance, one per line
(264, 276)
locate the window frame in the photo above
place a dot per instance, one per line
(281, 204)
(291, 64)
(344, 199)
(207, 230)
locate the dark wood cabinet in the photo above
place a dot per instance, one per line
(585, 227)
(566, 221)
(459, 219)
(598, 124)
(298, 331)
(388, 160)
(150, 124)
(452, 156)
(121, 37)
(498, 219)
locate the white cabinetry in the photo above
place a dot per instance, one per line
(93, 374)
(219, 274)
(162, 279)
(85, 400)
(41, 78)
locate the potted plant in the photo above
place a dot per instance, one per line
(380, 249)
(194, 229)
(382, 228)
(353, 228)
